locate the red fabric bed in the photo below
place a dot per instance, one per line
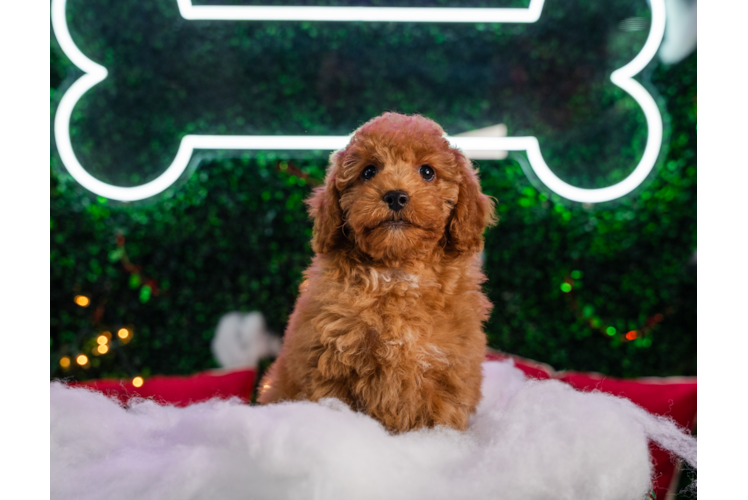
(672, 396)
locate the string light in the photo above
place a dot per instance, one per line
(102, 339)
(266, 386)
(123, 333)
(642, 334)
(82, 300)
(137, 381)
(65, 362)
(103, 349)
(82, 359)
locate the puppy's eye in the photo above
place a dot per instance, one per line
(369, 172)
(427, 173)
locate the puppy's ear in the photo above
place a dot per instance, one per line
(324, 208)
(473, 212)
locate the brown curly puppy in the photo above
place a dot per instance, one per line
(389, 319)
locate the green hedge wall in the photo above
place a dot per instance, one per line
(568, 281)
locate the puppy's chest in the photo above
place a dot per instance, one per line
(396, 301)
(388, 318)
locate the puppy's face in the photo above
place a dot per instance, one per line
(399, 191)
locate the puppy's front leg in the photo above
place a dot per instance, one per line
(446, 411)
(276, 385)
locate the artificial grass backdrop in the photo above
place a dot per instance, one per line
(609, 287)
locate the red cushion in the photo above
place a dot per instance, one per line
(182, 391)
(532, 369)
(673, 396)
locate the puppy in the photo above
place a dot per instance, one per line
(389, 318)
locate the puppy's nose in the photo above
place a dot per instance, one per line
(396, 200)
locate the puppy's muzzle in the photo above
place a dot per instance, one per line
(396, 200)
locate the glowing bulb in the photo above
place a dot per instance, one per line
(103, 349)
(565, 287)
(610, 331)
(631, 335)
(137, 381)
(101, 339)
(82, 300)
(65, 362)
(82, 359)
(123, 333)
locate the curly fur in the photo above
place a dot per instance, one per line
(389, 318)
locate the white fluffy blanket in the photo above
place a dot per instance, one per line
(528, 440)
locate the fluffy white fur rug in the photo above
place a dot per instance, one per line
(528, 440)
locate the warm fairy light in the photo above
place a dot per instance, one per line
(82, 300)
(631, 335)
(65, 362)
(611, 330)
(103, 349)
(102, 339)
(266, 385)
(82, 359)
(137, 381)
(123, 333)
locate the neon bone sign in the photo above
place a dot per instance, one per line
(94, 73)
